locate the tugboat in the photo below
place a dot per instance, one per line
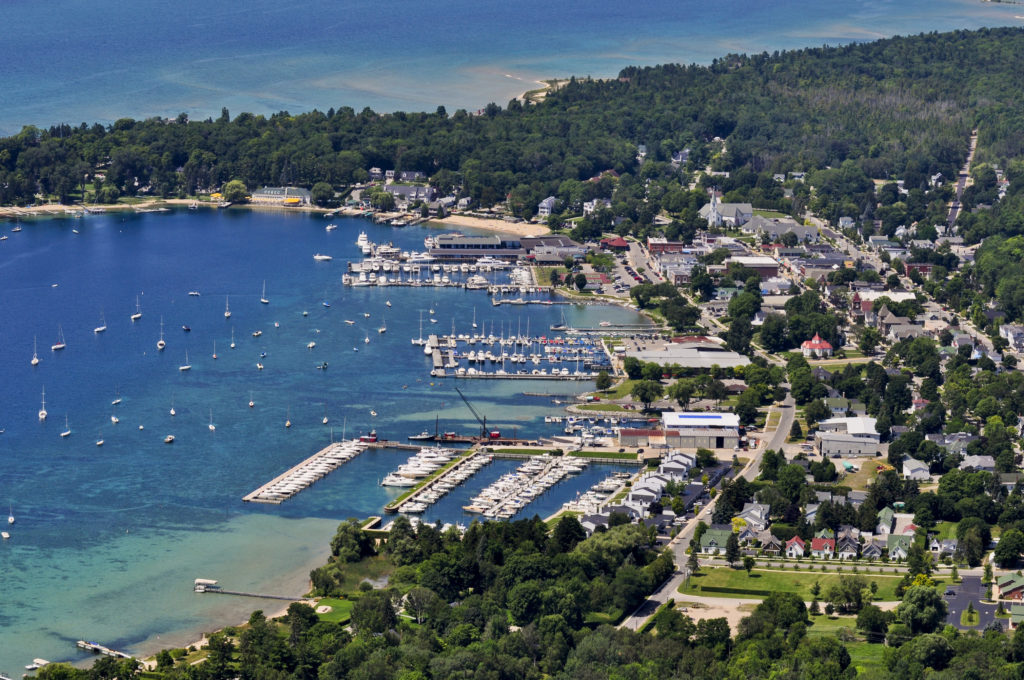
(369, 438)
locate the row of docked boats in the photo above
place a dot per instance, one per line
(426, 462)
(307, 472)
(591, 500)
(445, 484)
(514, 491)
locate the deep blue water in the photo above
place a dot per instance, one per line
(69, 61)
(98, 528)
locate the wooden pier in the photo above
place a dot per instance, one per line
(96, 648)
(296, 479)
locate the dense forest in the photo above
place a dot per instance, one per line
(902, 108)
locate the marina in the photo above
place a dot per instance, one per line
(513, 491)
(300, 477)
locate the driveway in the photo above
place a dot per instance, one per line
(969, 590)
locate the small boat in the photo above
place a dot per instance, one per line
(67, 429)
(103, 325)
(305, 313)
(474, 317)
(310, 345)
(211, 426)
(16, 229)
(263, 355)
(421, 437)
(172, 411)
(257, 334)
(169, 439)
(263, 298)
(322, 366)
(116, 401)
(251, 402)
(387, 303)
(259, 366)
(114, 420)
(350, 322)
(367, 340)
(185, 366)
(369, 438)
(194, 293)
(320, 257)
(138, 310)
(99, 442)
(325, 303)
(383, 327)
(186, 328)
(60, 344)
(35, 354)
(277, 325)
(373, 413)
(4, 535)
(366, 315)
(324, 420)
(227, 308)
(10, 514)
(214, 349)
(160, 344)
(331, 227)
(288, 418)
(232, 345)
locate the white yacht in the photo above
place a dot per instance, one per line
(103, 325)
(227, 308)
(320, 257)
(160, 344)
(263, 298)
(185, 366)
(138, 310)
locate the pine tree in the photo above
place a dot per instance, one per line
(732, 549)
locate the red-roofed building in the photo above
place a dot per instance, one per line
(823, 548)
(617, 243)
(816, 347)
(795, 547)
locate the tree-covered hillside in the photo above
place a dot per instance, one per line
(901, 107)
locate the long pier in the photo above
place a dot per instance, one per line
(97, 648)
(429, 483)
(296, 479)
(265, 596)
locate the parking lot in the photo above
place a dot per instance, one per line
(967, 591)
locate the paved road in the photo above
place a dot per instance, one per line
(682, 540)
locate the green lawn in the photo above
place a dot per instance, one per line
(969, 618)
(614, 408)
(862, 478)
(769, 213)
(618, 391)
(341, 610)
(726, 582)
(945, 530)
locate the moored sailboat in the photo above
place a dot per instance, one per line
(263, 298)
(42, 409)
(138, 310)
(35, 353)
(60, 344)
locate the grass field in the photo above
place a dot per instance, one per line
(618, 391)
(863, 655)
(735, 583)
(969, 618)
(341, 610)
(862, 478)
(603, 407)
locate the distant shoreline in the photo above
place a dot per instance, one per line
(60, 210)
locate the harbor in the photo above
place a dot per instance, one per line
(513, 491)
(300, 477)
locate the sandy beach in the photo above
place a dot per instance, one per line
(515, 228)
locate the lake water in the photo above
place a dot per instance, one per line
(125, 527)
(68, 61)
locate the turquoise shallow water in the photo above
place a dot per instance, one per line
(67, 61)
(125, 527)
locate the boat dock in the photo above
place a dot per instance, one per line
(387, 444)
(428, 484)
(96, 648)
(317, 466)
(205, 585)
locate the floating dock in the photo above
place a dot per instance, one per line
(317, 466)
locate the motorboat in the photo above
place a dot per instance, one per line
(320, 257)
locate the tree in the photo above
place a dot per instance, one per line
(646, 392)
(923, 610)
(796, 432)
(732, 549)
(234, 191)
(816, 411)
(419, 601)
(717, 391)
(1009, 548)
(350, 543)
(603, 381)
(373, 613)
(868, 340)
(322, 194)
(682, 391)
(554, 276)
(580, 281)
(872, 619)
(748, 563)
(692, 563)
